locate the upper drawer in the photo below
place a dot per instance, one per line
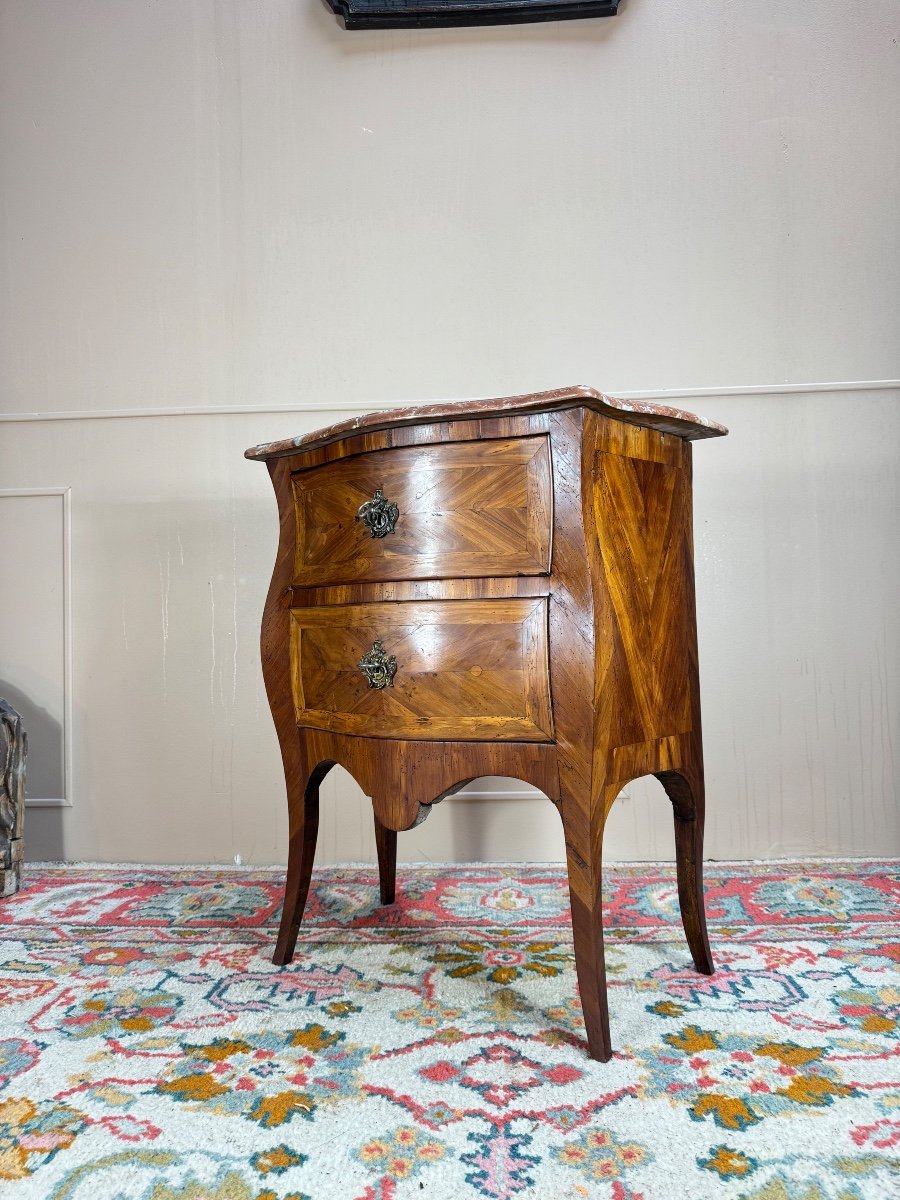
(464, 509)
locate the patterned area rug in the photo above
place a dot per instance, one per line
(149, 1049)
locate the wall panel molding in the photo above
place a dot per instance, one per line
(661, 395)
(65, 496)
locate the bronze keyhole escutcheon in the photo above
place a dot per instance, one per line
(378, 515)
(379, 668)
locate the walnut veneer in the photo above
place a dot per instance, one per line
(521, 604)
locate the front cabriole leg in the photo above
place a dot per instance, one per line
(584, 839)
(303, 812)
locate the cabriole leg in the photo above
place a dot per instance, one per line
(687, 796)
(304, 821)
(584, 861)
(386, 844)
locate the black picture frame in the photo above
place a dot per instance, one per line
(431, 14)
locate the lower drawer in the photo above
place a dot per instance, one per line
(447, 669)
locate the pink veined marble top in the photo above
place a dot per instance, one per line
(635, 412)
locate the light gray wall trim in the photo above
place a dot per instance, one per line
(661, 396)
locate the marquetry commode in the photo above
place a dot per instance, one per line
(491, 587)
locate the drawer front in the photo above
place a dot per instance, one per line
(463, 509)
(463, 669)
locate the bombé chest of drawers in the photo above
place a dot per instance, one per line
(499, 587)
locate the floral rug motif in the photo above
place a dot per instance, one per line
(149, 1049)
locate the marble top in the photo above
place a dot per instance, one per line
(635, 412)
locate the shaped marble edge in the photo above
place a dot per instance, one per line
(636, 412)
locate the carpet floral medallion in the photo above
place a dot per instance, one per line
(149, 1049)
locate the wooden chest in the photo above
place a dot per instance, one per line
(497, 587)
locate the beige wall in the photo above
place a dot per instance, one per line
(230, 206)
